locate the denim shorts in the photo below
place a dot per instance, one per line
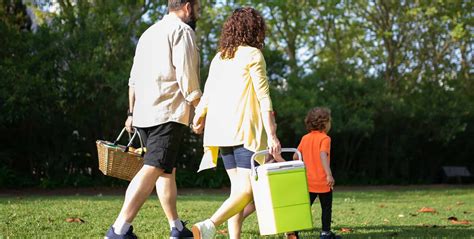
(236, 157)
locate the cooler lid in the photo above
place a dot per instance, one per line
(281, 166)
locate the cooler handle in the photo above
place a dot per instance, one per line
(265, 152)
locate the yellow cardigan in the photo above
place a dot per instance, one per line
(235, 95)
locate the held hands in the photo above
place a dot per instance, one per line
(198, 124)
(330, 181)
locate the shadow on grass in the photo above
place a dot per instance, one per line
(432, 231)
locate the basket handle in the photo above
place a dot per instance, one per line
(135, 133)
(265, 152)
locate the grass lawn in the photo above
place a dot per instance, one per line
(366, 213)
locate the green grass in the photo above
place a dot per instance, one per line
(369, 213)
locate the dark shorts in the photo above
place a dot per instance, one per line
(236, 157)
(162, 144)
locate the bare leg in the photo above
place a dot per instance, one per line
(167, 191)
(234, 223)
(249, 209)
(138, 191)
(240, 196)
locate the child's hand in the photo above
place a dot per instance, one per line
(330, 181)
(279, 158)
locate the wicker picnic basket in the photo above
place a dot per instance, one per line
(118, 160)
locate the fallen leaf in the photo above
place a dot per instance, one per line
(462, 222)
(427, 209)
(386, 220)
(74, 219)
(345, 229)
(381, 205)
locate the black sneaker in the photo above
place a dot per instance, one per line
(330, 235)
(183, 234)
(111, 234)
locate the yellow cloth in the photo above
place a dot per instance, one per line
(235, 95)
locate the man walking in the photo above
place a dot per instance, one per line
(163, 87)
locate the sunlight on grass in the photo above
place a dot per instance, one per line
(367, 214)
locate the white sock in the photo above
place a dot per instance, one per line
(209, 223)
(176, 223)
(121, 227)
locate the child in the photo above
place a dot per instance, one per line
(315, 148)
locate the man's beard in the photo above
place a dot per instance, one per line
(192, 24)
(192, 21)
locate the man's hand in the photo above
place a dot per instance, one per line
(198, 125)
(128, 124)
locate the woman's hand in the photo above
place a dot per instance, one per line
(274, 147)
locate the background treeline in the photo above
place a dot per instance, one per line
(397, 76)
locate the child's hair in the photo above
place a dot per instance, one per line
(317, 118)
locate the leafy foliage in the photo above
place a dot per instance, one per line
(397, 76)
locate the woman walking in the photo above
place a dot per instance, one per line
(237, 112)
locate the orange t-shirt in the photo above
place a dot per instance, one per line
(310, 146)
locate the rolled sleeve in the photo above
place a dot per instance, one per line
(193, 95)
(258, 73)
(186, 63)
(131, 82)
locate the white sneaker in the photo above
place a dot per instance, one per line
(204, 230)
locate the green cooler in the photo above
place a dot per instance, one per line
(281, 197)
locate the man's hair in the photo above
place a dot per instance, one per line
(245, 27)
(174, 5)
(317, 118)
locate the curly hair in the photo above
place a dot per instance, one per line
(245, 27)
(317, 118)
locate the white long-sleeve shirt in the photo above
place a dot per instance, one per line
(165, 73)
